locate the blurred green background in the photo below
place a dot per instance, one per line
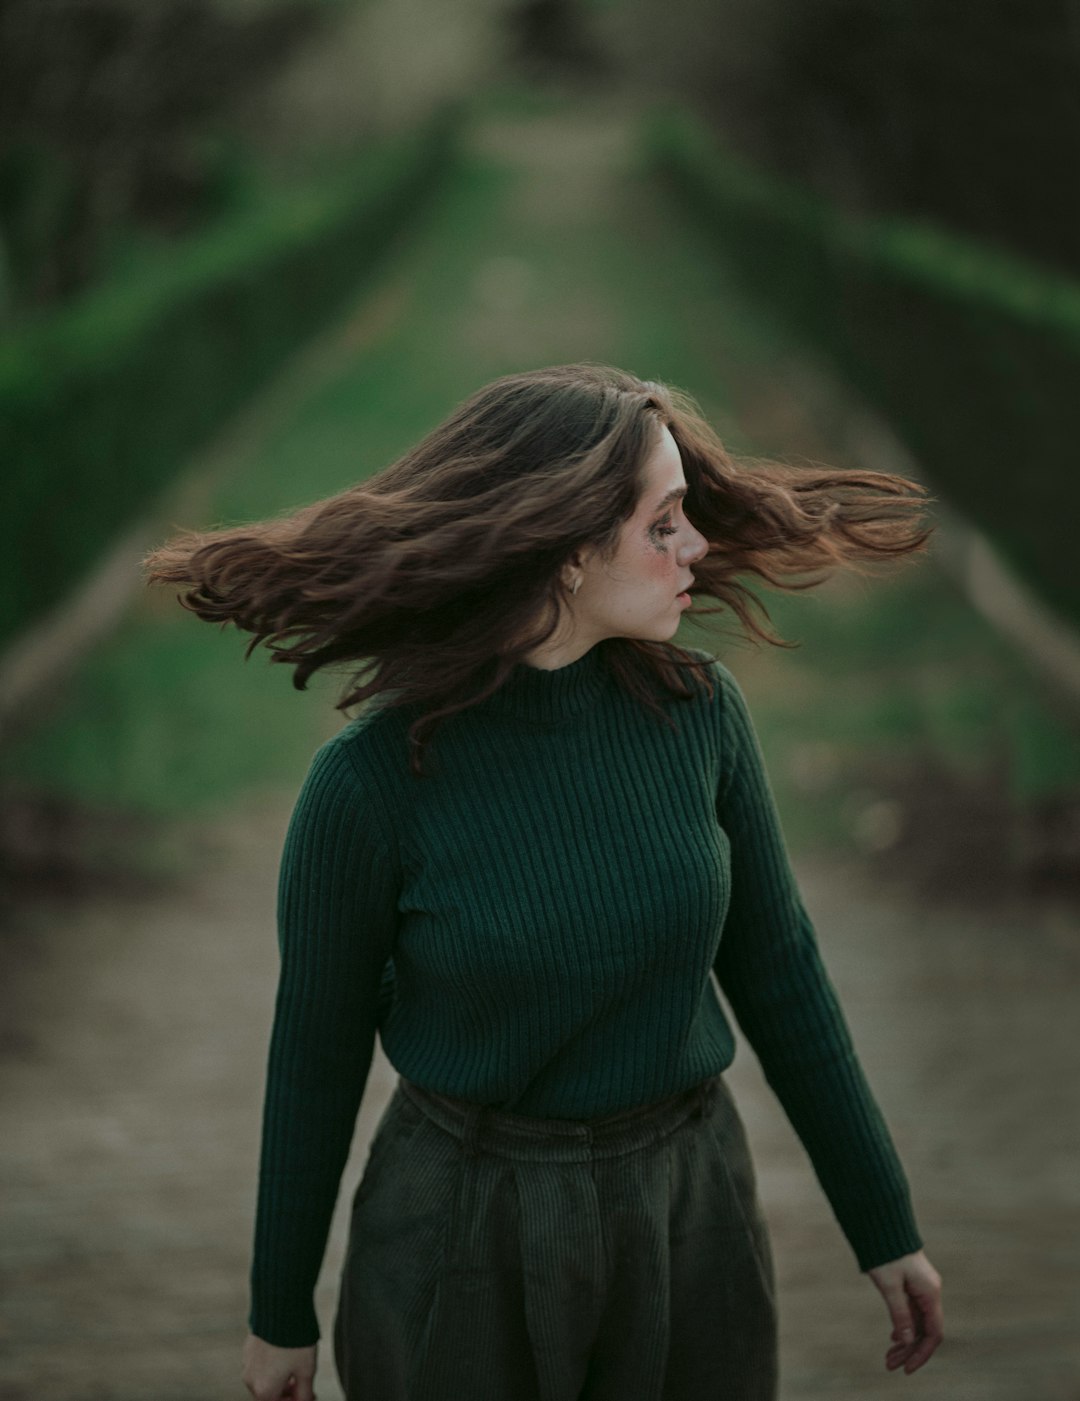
(250, 252)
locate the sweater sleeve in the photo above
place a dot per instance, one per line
(770, 969)
(337, 913)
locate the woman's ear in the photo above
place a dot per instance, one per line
(573, 570)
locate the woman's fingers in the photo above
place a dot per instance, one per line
(900, 1307)
(911, 1288)
(278, 1374)
(931, 1328)
(300, 1389)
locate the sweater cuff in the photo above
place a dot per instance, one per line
(282, 1326)
(886, 1230)
(901, 1245)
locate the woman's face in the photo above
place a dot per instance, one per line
(639, 591)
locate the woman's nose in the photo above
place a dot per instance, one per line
(698, 547)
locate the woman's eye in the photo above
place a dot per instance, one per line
(664, 529)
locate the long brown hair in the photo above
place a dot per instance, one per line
(431, 580)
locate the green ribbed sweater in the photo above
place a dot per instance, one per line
(533, 926)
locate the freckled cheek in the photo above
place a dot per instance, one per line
(660, 569)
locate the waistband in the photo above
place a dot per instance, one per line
(484, 1129)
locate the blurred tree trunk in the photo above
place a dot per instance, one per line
(105, 107)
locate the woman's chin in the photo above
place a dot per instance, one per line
(663, 632)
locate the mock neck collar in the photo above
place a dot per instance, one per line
(532, 693)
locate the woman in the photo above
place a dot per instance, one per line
(519, 866)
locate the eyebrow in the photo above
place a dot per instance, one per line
(675, 494)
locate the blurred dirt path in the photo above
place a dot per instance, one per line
(134, 1028)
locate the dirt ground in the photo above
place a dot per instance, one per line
(134, 1036)
(132, 1044)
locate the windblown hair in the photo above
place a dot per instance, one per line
(431, 580)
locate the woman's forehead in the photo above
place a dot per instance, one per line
(664, 476)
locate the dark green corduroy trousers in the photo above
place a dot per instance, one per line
(495, 1257)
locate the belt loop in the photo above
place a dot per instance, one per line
(471, 1131)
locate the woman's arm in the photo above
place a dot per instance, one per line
(771, 972)
(337, 914)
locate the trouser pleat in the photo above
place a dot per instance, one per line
(477, 1342)
(564, 1271)
(631, 1350)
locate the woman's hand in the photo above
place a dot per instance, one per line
(278, 1373)
(911, 1288)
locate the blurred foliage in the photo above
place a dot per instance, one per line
(904, 727)
(973, 357)
(101, 403)
(110, 118)
(554, 37)
(965, 112)
(167, 717)
(968, 112)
